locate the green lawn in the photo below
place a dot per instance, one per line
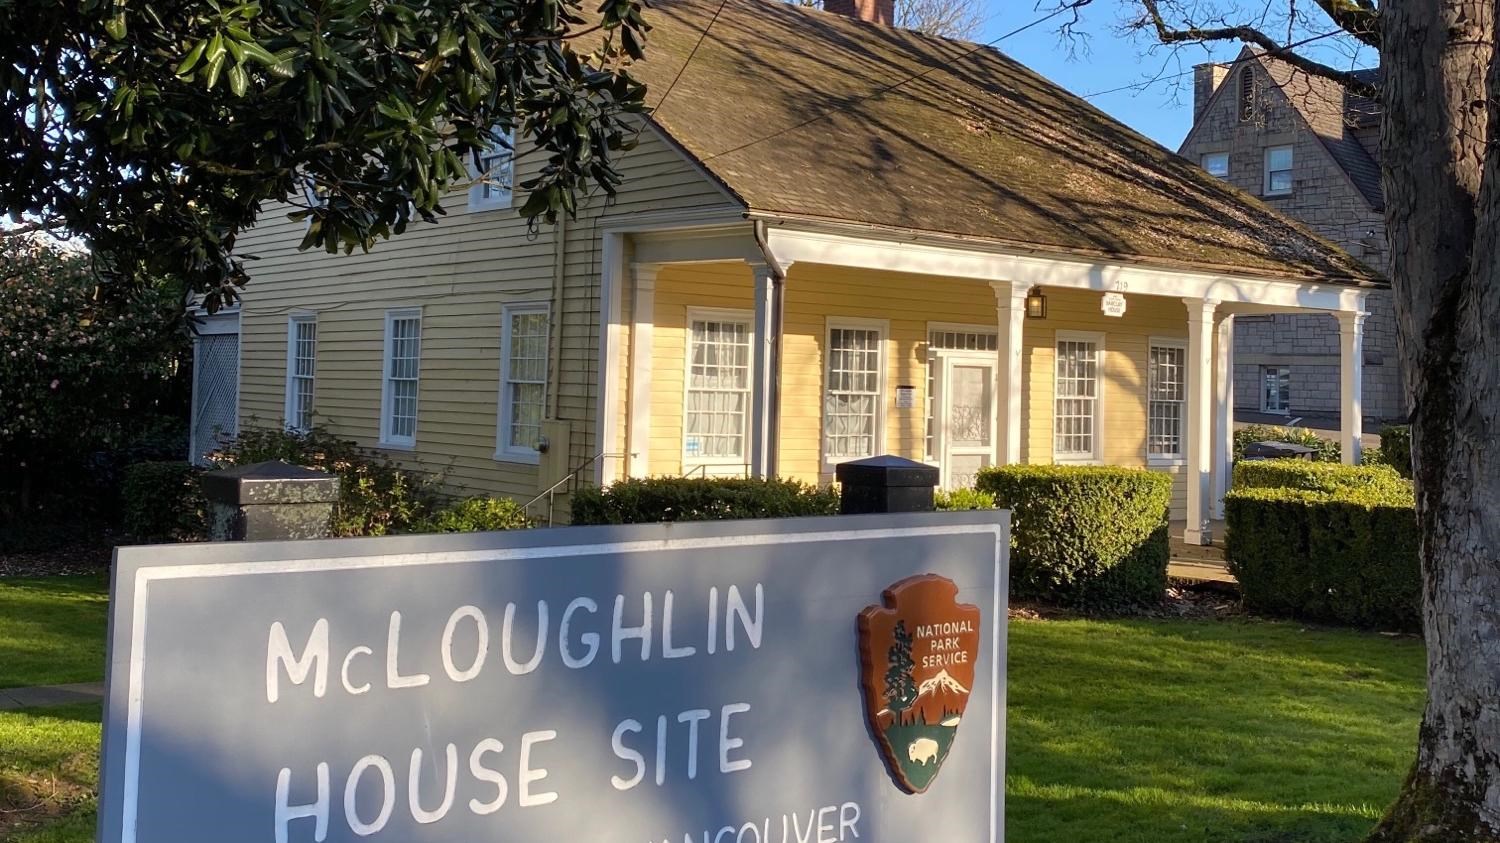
(52, 630)
(1120, 731)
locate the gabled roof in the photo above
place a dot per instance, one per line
(799, 113)
(1334, 114)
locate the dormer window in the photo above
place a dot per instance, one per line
(494, 172)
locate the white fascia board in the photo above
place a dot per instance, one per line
(987, 264)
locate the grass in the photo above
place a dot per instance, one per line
(52, 630)
(1129, 731)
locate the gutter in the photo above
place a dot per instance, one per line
(778, 299)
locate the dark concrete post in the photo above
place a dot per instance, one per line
(885, 484)
(270, 501)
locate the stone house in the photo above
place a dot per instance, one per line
(1310, 150)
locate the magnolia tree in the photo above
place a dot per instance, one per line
(1441, 175)
(158, 130)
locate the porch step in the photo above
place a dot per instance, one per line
(1199, 570)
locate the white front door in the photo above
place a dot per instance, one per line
(965, 393)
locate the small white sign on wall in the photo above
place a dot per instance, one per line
(906, 397)
(1113, 304)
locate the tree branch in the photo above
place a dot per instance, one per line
(1359, 18)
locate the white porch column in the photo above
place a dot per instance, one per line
(1200, 408)
(1010, 305)
(643, 323)
(760, 371)
(1351, 383)
(1223, 412)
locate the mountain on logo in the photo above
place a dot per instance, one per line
(939, 699)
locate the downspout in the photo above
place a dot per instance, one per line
(554, 334)
(778, 300)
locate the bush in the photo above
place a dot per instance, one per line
(1317, 476)
(1395, 447)
(478, 514)
(162, 502)
(1084, 535)
(1328, 450)
(959, 500)
(654, 499)
(376, 497)
(1348, 554)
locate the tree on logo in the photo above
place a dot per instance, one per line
(900, 687)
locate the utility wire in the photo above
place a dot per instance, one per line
(1149, 82)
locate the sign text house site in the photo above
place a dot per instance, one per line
(700, 683)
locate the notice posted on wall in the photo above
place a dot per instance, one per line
(814, 680)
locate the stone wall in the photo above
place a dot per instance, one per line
(1327, 201)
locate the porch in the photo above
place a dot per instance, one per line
(802, 349)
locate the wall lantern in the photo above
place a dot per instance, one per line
(1036, 304)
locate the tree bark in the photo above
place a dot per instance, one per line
(1442, 189)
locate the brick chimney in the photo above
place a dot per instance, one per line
(1206, 80)
(873, 11)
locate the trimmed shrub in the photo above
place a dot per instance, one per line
(960, 500)
(376, 497)
(162, 502)
(655, 499)
(1395, 447)
(1348, 555)
(1328, 450)
(479, 514)
(1090, 536)
(1317, 476)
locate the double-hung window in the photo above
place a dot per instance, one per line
(1278, 171)
(853, 390)
(301, 369)
(1275, 389)
(494, 172)
(403, 359)
(716, 412)
(1166, 400)
(523, 380)
(1076, 388)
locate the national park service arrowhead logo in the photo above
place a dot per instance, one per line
(917, 657)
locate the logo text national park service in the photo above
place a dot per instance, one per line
(917, 657)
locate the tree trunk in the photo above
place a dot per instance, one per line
(1442, 189)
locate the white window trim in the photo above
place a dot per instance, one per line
(477, 200)
(401, 443)
(724, 315)
(1266, 169)
(1101, 378)
(504, 451)
(1165, 459)
(832, 323)
(1260, 383)
(1203, 162)
(287, 414)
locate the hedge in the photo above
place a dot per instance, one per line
(1325, 450)
(1395, 447)
(649, 500)
(1085, 536)
(1349, 555)
(162, 502)
(962, 500)
(1317, 476)
(478, 514)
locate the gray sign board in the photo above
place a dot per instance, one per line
(687, 683)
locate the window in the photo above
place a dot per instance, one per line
(1166, 400)
(716, 408)
(403, 357)
(494, 171)
(301, 366)
(852, 394)
(523, 380)
(1275, 389)
(1217, 164)
(1075, 414)
(1278, 171)
(1247, 94)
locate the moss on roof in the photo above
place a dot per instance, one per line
(979, 146)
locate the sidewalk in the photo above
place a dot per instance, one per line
(12, 699)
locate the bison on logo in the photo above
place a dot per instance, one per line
(917, 659)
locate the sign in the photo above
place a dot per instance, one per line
(643, 684)
(906, 397)
(1113, 304)
(917, 658)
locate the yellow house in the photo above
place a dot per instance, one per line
(835, 239)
